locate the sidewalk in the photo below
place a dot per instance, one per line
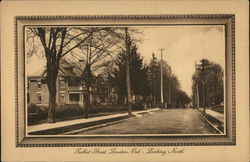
(214, 114)
(64, 126)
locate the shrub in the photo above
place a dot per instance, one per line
(36, 113)
(93, 110)
(44, 111)
(138, 106)
(69, 110)
(33, 108)
(111, 108)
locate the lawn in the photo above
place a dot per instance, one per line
(38, 115)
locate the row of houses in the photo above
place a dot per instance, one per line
(70, 88)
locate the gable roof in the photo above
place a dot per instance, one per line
(39, 73)
(68, 70)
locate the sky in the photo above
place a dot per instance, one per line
(183, 44)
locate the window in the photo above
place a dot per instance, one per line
(101, 90)
(74, 97)
(39, 84)
(104, 90)
(62, 83)
(62, 97)
(73, 82)
(102, 99)
(39, 98)
(28, 98)
(33, 80)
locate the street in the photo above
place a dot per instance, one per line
(168, 121)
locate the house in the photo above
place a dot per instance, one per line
(70, 88)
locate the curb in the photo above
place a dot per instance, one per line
(213, 126)
(75, 128)
(93, 127)
(69, 128)
(138, 114)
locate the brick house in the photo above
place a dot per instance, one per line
(70, 89)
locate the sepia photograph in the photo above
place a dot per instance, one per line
(123, 80)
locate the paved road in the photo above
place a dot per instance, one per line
(169, 121)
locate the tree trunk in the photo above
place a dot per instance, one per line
(87, 78)
(52, 100)
(52, 72)
(87, 103)
(83, 99)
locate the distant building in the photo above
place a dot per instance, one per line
(70, 89)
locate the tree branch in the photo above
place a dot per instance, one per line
(77, 44)
(72, 39)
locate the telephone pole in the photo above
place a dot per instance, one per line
(162, 99)
(197, 87)
(203, 65)
(128, 44)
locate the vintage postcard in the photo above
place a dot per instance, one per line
(129, 85)
(128, 80)
(77, 80)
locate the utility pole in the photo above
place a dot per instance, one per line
(197, 87)
(203, 65)
(127, 44)
(194, 80)
(162, 99)
(169, 98)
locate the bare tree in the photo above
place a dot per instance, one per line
(115, 37)
(96, 56)
(56, 43)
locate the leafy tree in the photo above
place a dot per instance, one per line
(172, 88)
(214, 86)
(182, 99)
(154, 80)
(118, 77)
(172, 94)
(127, 35)
(138, 75)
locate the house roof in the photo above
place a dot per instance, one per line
(66, 69)
(39, 73)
